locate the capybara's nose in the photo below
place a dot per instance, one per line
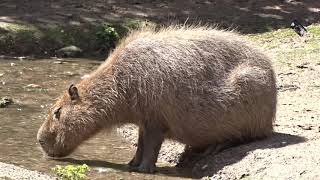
(42, 142)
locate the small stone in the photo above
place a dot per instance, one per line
(1, 74)
(32, 86)
(12, 64)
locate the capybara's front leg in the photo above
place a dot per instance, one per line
(153, 136)
(135, 162)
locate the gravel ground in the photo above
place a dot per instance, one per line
(9, 171)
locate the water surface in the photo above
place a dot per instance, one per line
(34, 86)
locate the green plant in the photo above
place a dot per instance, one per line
(107, 37)
(71, 172)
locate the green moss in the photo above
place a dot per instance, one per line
(19, 39)
(71, 172)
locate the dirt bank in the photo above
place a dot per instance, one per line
(43, 27)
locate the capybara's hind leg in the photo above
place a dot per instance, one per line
(153, 136)
(192, 155)
(138, 156)
(216, 148)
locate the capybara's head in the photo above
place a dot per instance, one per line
(70, 122)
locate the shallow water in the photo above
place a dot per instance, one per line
(34, 86)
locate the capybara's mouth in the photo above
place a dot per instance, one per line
(53, 155)
(50, 153)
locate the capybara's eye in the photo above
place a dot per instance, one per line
(56, 113)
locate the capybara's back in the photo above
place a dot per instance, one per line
(205, 86)
(199, 86)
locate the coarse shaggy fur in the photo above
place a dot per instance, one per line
(201, 85)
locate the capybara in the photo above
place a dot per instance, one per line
(197, 85)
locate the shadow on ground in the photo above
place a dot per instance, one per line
(248, 16)
(214, 162)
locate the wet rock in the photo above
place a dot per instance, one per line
(69, 51)
(5, 101)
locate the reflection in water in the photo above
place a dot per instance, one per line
(33, 86)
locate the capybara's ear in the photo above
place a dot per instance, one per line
(73, 92)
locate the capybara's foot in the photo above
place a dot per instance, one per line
(134, 162)
(143, 168)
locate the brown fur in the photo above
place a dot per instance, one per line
(197, 85)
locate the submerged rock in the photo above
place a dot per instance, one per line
(5, 101)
